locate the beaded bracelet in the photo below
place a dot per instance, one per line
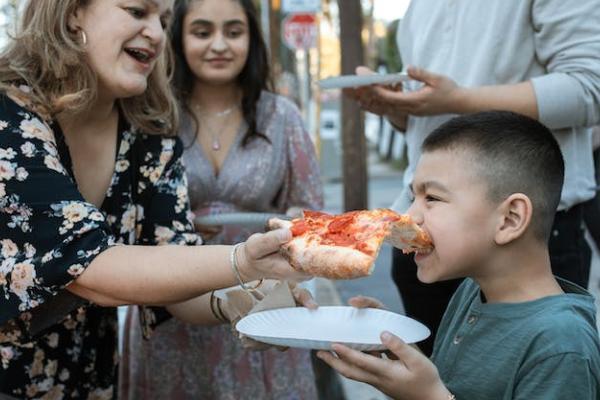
(236, 271)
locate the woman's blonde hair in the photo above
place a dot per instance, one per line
(48, 57)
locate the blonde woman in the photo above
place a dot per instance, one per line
(246, 150)
(90, 181)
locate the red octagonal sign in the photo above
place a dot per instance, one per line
(300, 31)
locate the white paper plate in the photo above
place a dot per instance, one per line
(244, 219)
(318, 329)
(346, 81)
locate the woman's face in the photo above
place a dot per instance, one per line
(215, 40)
(124, 40)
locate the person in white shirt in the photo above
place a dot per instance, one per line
(540, 58)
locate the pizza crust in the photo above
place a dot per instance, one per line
(331, 262)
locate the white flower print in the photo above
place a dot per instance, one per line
(22, 174)
(3, 125)
(74, 212)
(122, 165)
(163, 235)
(28, 149)
(54, 164)
(21, 279)
(155, 175)
(64, 375)
(7, 170)
(179, 227)
(52, 340)
(29, 250)
(50, 148)
(9, 248)
(2, 190)
(75, 270)
(6, 354)
(124, 146)
(35, 129)
(128, 219)
(96, 216)
(7, 154)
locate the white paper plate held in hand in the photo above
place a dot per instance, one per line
(358, 328)
(348, 81)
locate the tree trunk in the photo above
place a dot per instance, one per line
(353, 138)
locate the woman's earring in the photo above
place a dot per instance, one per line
(83, 37)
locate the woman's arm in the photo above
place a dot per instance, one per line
(162, 275)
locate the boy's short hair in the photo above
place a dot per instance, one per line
(514, 154)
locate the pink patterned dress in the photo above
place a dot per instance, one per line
(182, 361)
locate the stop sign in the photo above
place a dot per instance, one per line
(300, 31)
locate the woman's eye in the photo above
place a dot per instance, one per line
(234, 34)
(136, 12)
(202, 34)
(431, 198)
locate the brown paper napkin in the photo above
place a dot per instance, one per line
(239, 303)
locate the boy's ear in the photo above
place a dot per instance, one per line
(515, 218)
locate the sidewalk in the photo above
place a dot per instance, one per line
(384, 186)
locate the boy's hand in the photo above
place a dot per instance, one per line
(412, 376)
(366, 302)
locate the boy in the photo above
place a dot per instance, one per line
(486, 189)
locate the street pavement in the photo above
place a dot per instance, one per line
(384, 186)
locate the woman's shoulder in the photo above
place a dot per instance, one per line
(270, 100)
(274, 107)
(16, 100)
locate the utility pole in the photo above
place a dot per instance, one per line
(354, 146)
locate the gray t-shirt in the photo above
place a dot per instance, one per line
(555, 44)
(546, 349)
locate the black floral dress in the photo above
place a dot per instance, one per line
(49, 234)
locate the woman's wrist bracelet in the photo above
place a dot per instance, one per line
(215, 309)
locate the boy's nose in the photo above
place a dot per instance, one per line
(415, 214)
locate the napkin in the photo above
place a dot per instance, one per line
(270, 295)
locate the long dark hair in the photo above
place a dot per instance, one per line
(253, 79)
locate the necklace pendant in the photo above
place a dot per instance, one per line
(216, 146)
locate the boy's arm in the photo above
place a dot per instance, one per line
(411, 376)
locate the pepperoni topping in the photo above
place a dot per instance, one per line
(341, 224)
(299, 228)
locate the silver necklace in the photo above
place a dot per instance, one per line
(216, 133)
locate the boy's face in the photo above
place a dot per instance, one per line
(451, 204)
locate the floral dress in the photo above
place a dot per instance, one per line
(48, 236)
(209, 363)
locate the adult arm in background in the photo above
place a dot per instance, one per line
(567, 39)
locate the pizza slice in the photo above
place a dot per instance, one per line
(345, 246)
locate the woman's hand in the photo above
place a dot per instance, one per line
(259, 257)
